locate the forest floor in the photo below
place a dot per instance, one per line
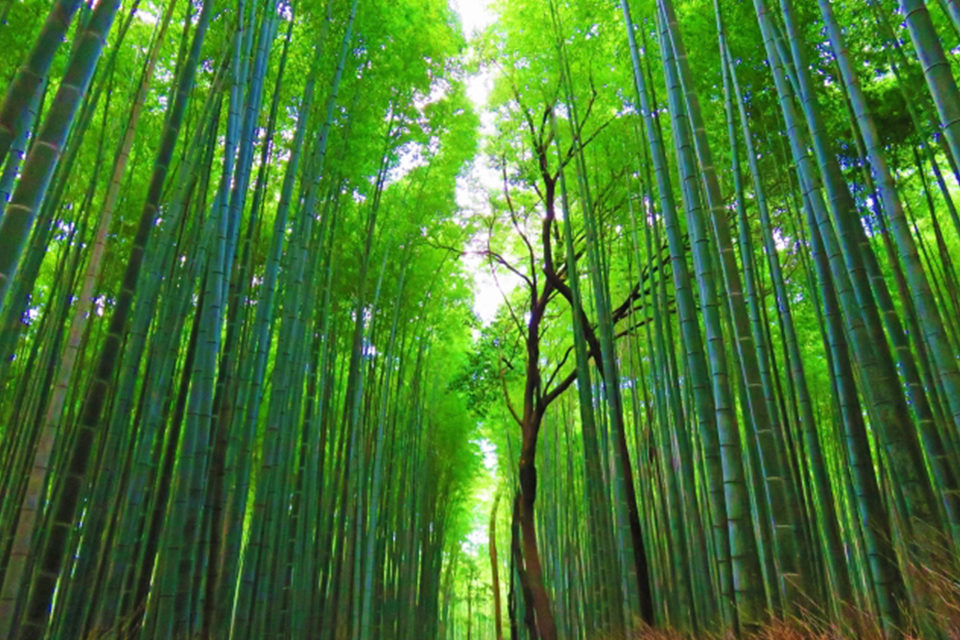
(858, 625)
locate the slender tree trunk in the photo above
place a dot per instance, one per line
(495, 569)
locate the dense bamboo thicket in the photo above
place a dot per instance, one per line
(226, 340)
(243, 393)
(732, 228)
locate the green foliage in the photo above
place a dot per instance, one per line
(274, 413)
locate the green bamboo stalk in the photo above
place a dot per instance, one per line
(64, 505)
(936, 70)
(822, 491)
(14, 112)
(45, 153)
(31, 499)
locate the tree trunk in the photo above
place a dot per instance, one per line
(545, 625)
(494, 573)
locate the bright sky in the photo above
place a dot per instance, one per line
(472, 189)
(474, 14)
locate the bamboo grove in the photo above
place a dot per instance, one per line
(223, 414)
(243, 393)
(731, 226)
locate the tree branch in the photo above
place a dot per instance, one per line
(506, 394)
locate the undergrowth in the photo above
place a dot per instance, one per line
(933, 613)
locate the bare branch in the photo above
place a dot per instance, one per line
(583, 144)
(506, 396)
(516, 225)
(559, 366)
(506, 300)
(556, 391)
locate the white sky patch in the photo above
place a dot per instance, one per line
(415, 154)
(411, 156)
(490, 281)
(146, 15)
(489, 285)
(487, 296)
(474, 14)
